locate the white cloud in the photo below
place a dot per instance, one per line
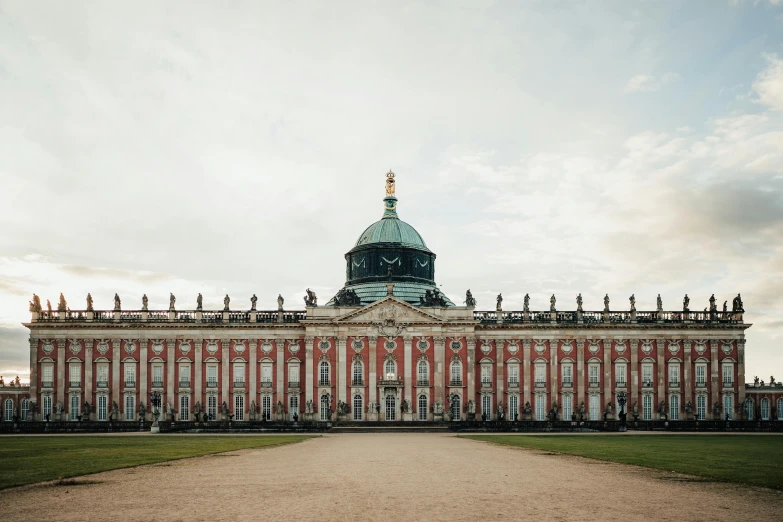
(769, 83)
(647, 83)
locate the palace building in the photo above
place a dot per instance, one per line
(389, 346)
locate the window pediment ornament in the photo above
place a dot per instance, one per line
(293, 346)
(75, 347)
(212, 347)
(357, 345)
(567, 346)
(647, 346)
(157, 347)
(456, 358)
(323, 357)
(421, 357)
(619, 346)
(701, 346)
(540, 346)
(486, 346)
(594, 346)
(130, 347)
(239, 346)
(423, 345)
(184, 347)
(674, 347)
(324, 346)
(266, 347)
(513, 347)
(357, 358)
(726, 347)
(102, 347)
(390, 357)
(48, 346)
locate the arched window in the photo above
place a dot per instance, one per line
(9, 410)
(391, 408)
(323, 373)
(325, 407)
(765, 409)
(423, 374)
(25, 408)
(358, 408)
(456, 373)
(390, 369)
(456, 408)
(358, 374)
(422, 407)
(749, 408)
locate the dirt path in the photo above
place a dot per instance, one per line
(389, 477)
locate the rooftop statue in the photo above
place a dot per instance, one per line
(49, 306)
(686, 301)
(470, 302)
(310, 298)
(552, 302)
(199, 301)
(527, 302)
(606, 303)
(172, 300)
(280, 302)
(226, 302)
(347, 297)
(62, 305)
(713, 306)
(632, 299)
(725, 306)
(89, 302)
(579, 302)
(35, 304)
(117, 303)
(660, 303)
(432, 298)
(253, 301)
(500, 302)
(145, 303)
(390, 183)
(737, 305)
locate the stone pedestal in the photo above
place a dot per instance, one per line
(437, 417)
(372, 416)
(407, 417)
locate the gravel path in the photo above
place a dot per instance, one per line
(389, 477)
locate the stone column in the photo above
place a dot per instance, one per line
(408, 362)
(117, 379)
(252, 362)
(715, 380)
(661, 396)
(633, 344)
(440, 371)
(88, 343)
(34, 377)
(198, 372)
(61, 373)
(686, 375)
(373, 373)
(471, 366)
(739, 384)
(579, 374)
(342, 384)
(143, 367)
(553, 373)
(500, 381)
(280, 371)
(171, 368)
(526, 343)
(308, 384)
(608, 384)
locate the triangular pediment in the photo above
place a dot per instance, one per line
(389, 310)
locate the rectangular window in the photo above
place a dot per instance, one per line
(701, 375)
(212, 407)
(674, 407)
(102, 403)
(619, 373)
(184, 407)
(266, 407)
(212, 376)
(422, 407)
(184, 375)
(130, 407)
(568, 375)
(75, 375)
(701, 407)
(130, 374)
(568, 407)
(239, 408)
(46, 410)
(674, 375)
(293, 374)
(540, 375)
(513, 375)
(513, 407)
(103, 376)
(486, 406)
(541, 407)
(647, 373)
(647, 407)
(486, 374)
(239, 374)
(73, 411)
(594, 375)
(157, 375)
(728, 374)
(47, 370)
(293, 407)
(728, 407)
(266, 375)
(595, 407)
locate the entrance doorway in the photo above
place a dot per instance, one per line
(391, 408)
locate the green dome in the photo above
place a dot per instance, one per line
(392, 229)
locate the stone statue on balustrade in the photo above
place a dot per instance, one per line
(713, 306)
(310, 298)
(145, 302)
(527, 303)
(253, 301)
(499, 300)
(49, 307)
(606, 303)
(686, 302)
(470, 302)
(552, 302)
(35, 304)
(226, 303)
(347, 297)
(659, 303)
(117, 303)
(172, 300)
(280, 302)
(199, 302)
(89, 302)
(632, 300)
(62, 305)
(736, 305)
(579, 303)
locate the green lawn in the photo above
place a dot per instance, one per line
(746, 459)
(27, 460)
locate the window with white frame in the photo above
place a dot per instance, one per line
(456, 373)
(75, 374)
(325, 407)
(595, 407)
(674, 374)
(323, 373)
(780, 408)
(358, 407)
(728, 407)
(513, 407)
(568, 374)
(619, 374)
(9, 410)
(358, 374)
(212, 375)
(46, 407)
(422, 407)
(568, 406)
(102, 372)
(486, 374)
(647, 375)
(73, 410)
(594, 375)
(293, 374)
(102, 407)
(184, 375)
(25, 408)
(293, 406)
(130, 374)
(728, 374)
(239, 407)
(47, 372)
(513, 375)
(239, 374)
(486, 406)
(701, 407)
(423, 374)
(184, 407)
(157, 375)
(765, 409)
(748, 408)
(541, 407)
(647, 407)
(456, 409)
(674, 407)
(540, 375)
(211, 407)
(390, 369)
(701, 374)
(266, 407)
(130, 407)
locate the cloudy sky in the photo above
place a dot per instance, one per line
(541, 147)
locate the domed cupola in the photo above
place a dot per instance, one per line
(389, 250)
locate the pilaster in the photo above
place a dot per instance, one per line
(308, 384)
(661, 388)
(34, 376)
(116, 375)
(198, 371)
(440, 357)
(342, 371)
(143, 366)
(61, 364)
(580, 373)
(553, 367)
(500, 381)
(373, 373)
(471, 366)
(252, 362)
(715, 381)
(280, 370)
(526, 343)
(607, 343)
(686, 371)
(171, 366)
(634, 370)
(408, 365)
(739, 384)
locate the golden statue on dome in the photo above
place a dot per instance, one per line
(390, 183)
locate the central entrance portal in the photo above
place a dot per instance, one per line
(391, 408)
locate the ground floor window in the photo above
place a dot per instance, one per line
(73, 411)
(25, 408)
(728, 407)
(568, 406)
(102, 403)
(9, 410)
(358, 407)
(239, 407)
(540, 407)
(486, 406)
(293, 406)
(266, 407)
(184, 407)
(391, 408)
(749, 409)
(647, 407)
(325, 407)
(211, 407)
(780, 409)
(701, 407)
(456, 407)
(422, 407)
(674, 407)
(46, 409)
(595, 407)
(130, 407)
(513, 407)
(765, 409)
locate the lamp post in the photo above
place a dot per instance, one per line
(155, 401)
(621, 400)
